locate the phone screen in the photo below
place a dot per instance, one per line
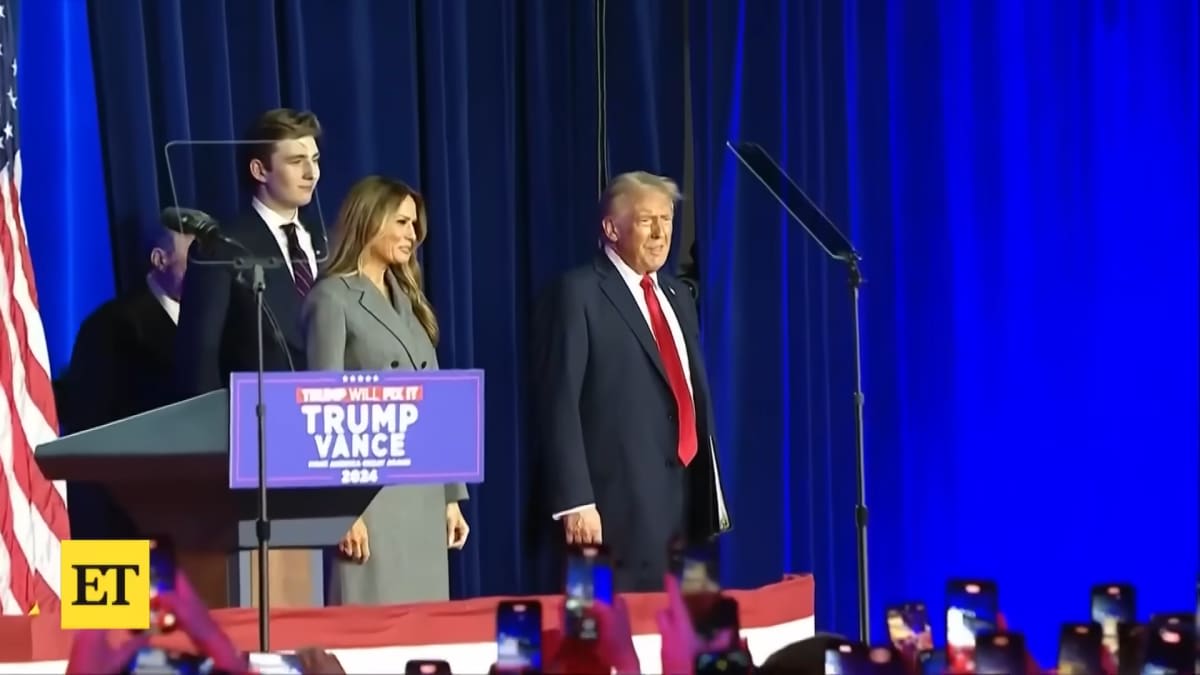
(932, 662)
(847, 658)
(1079, 646)
(519, 636)
(908, 627)
(270, 663)
(716, 621)
(589, 578)
(1170, 645)
(724, 663)
(428, 668)
(1112, 604)
(159, 662)
(999, 653)
(971, 609)
(162, 579)
(696, 567)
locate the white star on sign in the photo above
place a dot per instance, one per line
(8, 130)
(1, 11)
(12, 98)
(14, 67)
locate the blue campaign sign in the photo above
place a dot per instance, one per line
(363, 428)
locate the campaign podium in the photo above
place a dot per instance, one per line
(333, 440)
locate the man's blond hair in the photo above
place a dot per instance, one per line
(631, 183)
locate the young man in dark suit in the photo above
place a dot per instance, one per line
(124, 349)
(217, 326)
(622, 402)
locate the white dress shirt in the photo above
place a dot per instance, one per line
(634, 281)
(170, 305)
(275, 223)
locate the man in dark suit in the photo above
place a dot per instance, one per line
(121, 366)
(627, 455)
(217, 326)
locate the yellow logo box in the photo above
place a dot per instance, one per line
(105, 584)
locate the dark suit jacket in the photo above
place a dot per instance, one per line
(607, 421)
(217, 323)
(121, 363)
(120, 366)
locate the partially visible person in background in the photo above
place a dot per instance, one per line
(121, 365)
(125, 347)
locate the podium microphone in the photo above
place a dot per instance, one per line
(195, 222)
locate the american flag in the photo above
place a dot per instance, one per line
(33, 510)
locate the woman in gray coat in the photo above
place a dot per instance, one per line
(369, 312)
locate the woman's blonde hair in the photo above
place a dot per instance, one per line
(372, 201)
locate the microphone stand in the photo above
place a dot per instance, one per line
(262, 526)
(860, 504)
(805, 213)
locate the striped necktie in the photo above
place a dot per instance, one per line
(301, 272)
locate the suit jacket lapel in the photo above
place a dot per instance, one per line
(373, 302)
(699, 383)
(281, 293)
(618, 293)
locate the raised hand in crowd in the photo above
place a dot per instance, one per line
(100, 652)
(615, 632)
(194, 619)
(611, 651)
(94, 651)
(680, 643)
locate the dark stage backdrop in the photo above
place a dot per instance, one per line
(493, 113)
(1021, 179)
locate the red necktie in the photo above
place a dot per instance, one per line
(675, 376)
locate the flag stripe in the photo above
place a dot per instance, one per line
(49, 521)
(23, 582)
(38, 512)
(8, 601)
(36, 407)
(33, 513)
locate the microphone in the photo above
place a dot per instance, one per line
(196, 222)
(206, 229)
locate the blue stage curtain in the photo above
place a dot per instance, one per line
(644, 93)
(1021, 180)
(63, 183)
(491, 109)
(775, 313)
